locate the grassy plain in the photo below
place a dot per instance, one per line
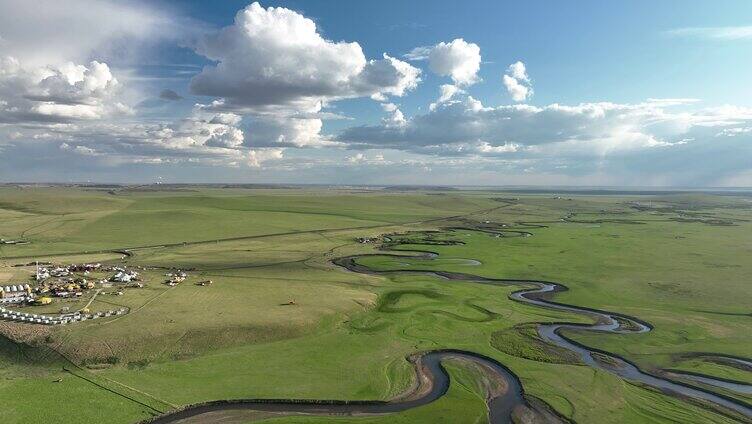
(680, 262)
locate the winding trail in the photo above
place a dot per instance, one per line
(96, 293)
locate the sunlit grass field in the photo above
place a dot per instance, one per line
(680, 263)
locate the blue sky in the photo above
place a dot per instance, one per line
(604, 93)
(581, 51)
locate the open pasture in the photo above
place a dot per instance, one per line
(280, 320)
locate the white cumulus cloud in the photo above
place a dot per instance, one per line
(456, 59)
(57, 93)
(275, 57)
(257, 157)
(517, 82)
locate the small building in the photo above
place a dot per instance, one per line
(124, 276)
(15, 293)
(60, 272)
(42, 274)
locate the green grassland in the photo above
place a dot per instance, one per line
(680, 262)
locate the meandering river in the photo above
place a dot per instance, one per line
(433, 380)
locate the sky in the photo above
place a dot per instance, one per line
(585, 93)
